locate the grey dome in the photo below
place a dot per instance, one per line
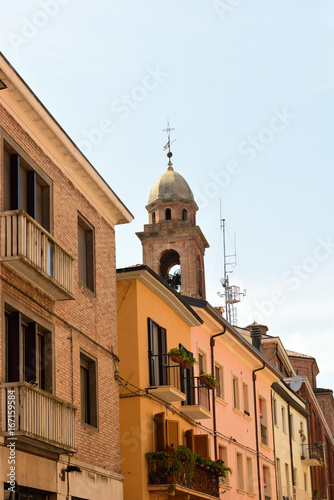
(170, 186)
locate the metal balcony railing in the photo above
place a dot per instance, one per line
(312, 454)
(163, 371)
(204, 481)
(31, 250)
(32, 415)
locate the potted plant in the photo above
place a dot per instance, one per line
(209, 380)
(302, 435)
(319, 445)
(179, 355)
(160, 466)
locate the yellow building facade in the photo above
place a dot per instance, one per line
(160, 407)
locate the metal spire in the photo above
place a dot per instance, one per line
(168, 145)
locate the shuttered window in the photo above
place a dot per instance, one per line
(201, 445)
(25, 188)
(28, 351)
(88, 389)
(166, 432)
(86, 253)
(189, 435)
(157, 351)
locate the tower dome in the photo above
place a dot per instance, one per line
(170, 186)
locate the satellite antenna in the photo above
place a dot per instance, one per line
(296, 382)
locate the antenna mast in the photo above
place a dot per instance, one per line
(231, 293)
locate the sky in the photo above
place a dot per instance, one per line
(248, 88)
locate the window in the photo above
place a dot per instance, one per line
(240, 472)
(198, 443)
(279, 477)
(157, 348)
(86, 253)
(219, 375)
(283, 419)
(27, 494)
(245, 398)
(266, 482)
(88, 388)
(184, 214)
(263, 420)
(236, 399)
(275, 411)
(250, 478)
(222, 455)
(168, 214)
(25, 185)
(201, 361)
(294, 477)
(153, 218)
(305, 481)
(292, 426)
(287, 475)
(28, 351)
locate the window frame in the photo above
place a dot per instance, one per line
(86, 269)
(89, 415)
(235, 391)
(24, 341)
(41, 178)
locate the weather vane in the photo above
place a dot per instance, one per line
(168, 145)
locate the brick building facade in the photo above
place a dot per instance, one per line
(58, 307)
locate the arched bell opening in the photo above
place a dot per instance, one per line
(170, 269)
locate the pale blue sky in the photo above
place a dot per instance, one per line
(248, 87)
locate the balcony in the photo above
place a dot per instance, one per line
(203, 485)
(31, 251)
(197, 404)
(312, 455)
(37, 418)
(165, 379)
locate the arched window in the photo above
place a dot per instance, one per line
(153, 218)
(184, 214)
(168, 214)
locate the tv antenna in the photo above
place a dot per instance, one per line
(231, 293)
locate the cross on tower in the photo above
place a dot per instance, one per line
(168, 145)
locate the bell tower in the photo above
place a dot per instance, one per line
(173, 246)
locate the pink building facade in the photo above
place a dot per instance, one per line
(240, 429)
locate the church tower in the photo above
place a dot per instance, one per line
(173, 246)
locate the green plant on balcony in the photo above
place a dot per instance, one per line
(319, 445)
(160, 466)
(218, 466)
(208, 380)
(181, 356)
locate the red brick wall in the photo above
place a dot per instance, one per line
(89, 322)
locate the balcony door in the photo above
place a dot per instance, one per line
(157, 353)
(188, 381)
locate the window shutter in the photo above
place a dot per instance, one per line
(82, 255)
(172, 427)
(14, 182)
(13, 347)
(151, 351)
(30, 353)
(163, 358)
(31, 193)
(201, 445)
(6, 181)
(190, 439)
(160, 431)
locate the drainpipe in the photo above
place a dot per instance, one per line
(291, 454)
(257, 430)
(212, 344)
(274, 447)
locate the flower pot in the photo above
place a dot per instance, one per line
(206, 382)
(185, 364)
(176, 358)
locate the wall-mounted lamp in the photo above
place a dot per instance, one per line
(69, 468)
